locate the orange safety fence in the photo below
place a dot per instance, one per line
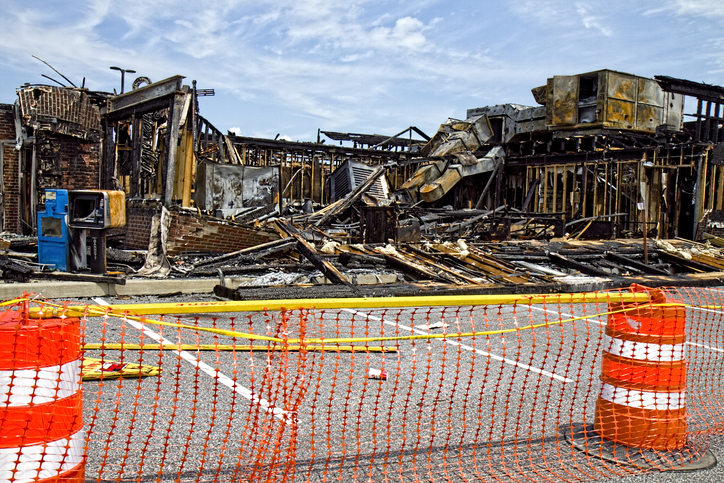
(545, 389)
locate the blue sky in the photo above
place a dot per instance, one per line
(293, 66)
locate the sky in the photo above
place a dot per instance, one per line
(291, 67)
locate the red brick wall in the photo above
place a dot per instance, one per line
(67, 163)
(138, 223)
(189, 232)
(11, 186)
(59, 109)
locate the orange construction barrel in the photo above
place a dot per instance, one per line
(41, 399)
(642, 402)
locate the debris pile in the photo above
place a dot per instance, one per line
(508, 199)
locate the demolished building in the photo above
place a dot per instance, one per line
(604, 155)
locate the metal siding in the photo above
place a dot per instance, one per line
(563, 101)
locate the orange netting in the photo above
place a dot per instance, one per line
(520, 392)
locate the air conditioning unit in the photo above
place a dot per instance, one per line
(351, 174)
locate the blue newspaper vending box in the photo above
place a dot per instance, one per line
(53, 234)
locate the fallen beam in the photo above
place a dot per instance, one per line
(683, 262)
(641, 267)
(252, 253)
(581, 267)
(310, 253)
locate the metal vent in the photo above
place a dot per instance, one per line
(351, 174)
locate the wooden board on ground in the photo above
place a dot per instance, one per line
(93, 369)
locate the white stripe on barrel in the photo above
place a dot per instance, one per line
(45, 460)
(37, 386)
(643, 399)
(644, 351)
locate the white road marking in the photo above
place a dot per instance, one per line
(712, 348)
(466, 347)
(278, 413)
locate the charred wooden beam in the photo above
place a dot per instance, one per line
(641, 267)
(329, 271)
(430, 260)
(413, 270)
(574, 265)
(688, 264)
(699, 90)
(310, 253)
(252, 253)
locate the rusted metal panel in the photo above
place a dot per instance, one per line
(437, 189)
(562, 101)
(650, 92)
(648, 118)
(673, 110)
(621, 86)
(650, 109)
(620, 114)
(511, 121)
(232, 186)
(620, 100)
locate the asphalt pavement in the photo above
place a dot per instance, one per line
(484, 408)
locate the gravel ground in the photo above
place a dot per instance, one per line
(474, 409)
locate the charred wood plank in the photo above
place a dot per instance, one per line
(411, 269)
(429, 259)
(347, 258)
(641, 267)
(252, 253)
(581, 267)
(459, 226)
(13, 270)
(310, 253)
(247, 269)
(329, 271)
(688, 264)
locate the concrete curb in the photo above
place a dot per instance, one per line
(138, 286)
(53, 289)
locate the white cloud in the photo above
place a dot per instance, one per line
(407, 33)
(591, 21)
(706, 8)
(235, 130)
(297, 65)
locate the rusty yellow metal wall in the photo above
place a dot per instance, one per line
(624, 101)
(116, 208)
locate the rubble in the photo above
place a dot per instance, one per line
(508, 199)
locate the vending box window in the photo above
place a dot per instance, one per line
(91, 213)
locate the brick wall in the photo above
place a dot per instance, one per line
(11, 187)
(60, 110)
(138, 223)
(189, 232)
(67, 162)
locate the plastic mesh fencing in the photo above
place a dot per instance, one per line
(540, 391)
